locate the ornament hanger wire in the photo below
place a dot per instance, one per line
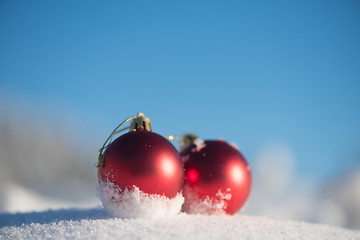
(113, 133)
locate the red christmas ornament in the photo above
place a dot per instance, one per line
(217, 177)
(142, 159)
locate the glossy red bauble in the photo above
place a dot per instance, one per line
(143, 159)
(217, 177)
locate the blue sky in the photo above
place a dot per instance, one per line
(251, 72)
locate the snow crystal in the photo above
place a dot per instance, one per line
(134, 203)
(156, 218)
(181, 226)
(196, 204)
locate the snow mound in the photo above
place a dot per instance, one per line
(134, 203)
(195, 204)
(97, 224)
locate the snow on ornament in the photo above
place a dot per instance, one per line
(217, 176)
(140, 173)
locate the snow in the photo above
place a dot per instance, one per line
(95, 223)
(194, 204)
(149, 221)
(134, 203)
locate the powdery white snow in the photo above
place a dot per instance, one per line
(155, 220)
(205, 205)
(131, 203)
(97, 224)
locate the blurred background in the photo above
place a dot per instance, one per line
(281, 79)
